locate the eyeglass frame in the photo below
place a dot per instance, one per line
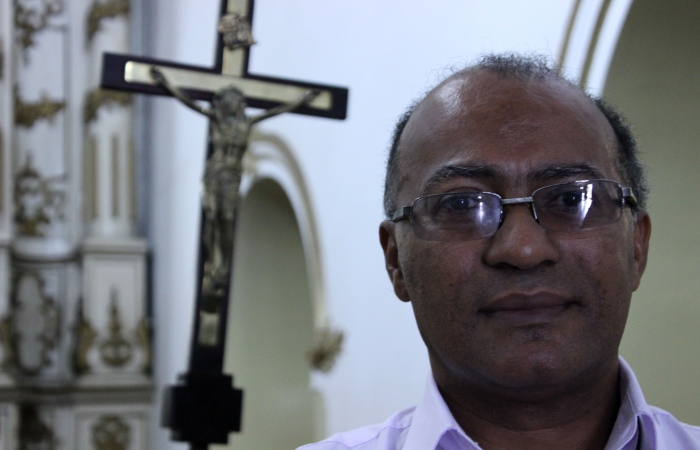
(628, 198)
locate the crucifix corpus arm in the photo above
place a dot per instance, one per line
(158, 77)
(288, 107)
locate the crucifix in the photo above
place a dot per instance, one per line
(204, 407)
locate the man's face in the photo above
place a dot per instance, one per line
(525, 308)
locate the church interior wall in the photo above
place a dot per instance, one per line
(654, 79)
(312, 192)
(386, 54)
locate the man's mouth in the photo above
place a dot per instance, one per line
(527, 308)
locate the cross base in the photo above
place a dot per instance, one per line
(203, 408)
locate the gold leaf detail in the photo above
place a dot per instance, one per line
(102, 97)
(143, 337)
(33, 432)
(115, 350)
(40, 309)
(36, 201)
(28, 113)
(111, 433)
(104, 10)
(328, 343)
(29, 21)
(85, 338)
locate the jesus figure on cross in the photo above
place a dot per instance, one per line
(229, 130)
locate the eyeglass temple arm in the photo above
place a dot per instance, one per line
(628, 197)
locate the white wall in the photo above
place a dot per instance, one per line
(387, 53)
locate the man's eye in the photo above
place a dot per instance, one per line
(457, 204)
(571, 199)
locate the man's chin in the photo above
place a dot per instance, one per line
(537, 375)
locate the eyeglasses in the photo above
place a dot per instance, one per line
(463, 216)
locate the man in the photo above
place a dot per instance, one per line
(517, 231)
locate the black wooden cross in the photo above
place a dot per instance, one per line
(204, 407)
(132, 73)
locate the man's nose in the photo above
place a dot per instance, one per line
(520, 241)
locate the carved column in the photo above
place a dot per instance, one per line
(114, 342)
(113, 351)
(6, 128)
(9, 413)
(75, 338)
(44, 288)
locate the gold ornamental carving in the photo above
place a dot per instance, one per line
(85, 338)
(37, 201)
(26, 114)
(32, 17)
(98, 98)
(9, 361)
(34, 433)
(328, 344)
(101, 10)
(111, 432)
(143, 337)
(115, 350)
(34, 323)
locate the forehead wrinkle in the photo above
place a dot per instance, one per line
(450, 172)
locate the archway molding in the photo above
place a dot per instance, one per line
(268, 157)
(590, 40)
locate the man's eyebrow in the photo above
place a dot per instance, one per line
(550, 173)
(450, 172)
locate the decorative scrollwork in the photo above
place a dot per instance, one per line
(30, 19)
(26, 114)
(111, 433)
(34, 322)
(115, 350)
(37, 201)
(85, 338)
(143, 337)
(9, 362)
(98, 98)
(104, 10)
(328, 343)
(33, 432)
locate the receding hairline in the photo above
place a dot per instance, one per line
(477, 71)
(526, 68)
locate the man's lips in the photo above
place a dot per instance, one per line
(519, 307)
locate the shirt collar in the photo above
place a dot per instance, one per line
(433, 426)
(634, 411)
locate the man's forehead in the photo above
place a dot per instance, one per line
(482, 93)
(502, 119)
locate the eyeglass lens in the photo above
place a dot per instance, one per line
(571, 206)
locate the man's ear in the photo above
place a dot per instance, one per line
(642, 232)
(387, 237)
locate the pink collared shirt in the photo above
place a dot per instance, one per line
(430, 426)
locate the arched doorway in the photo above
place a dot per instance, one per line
(271, 324)
(654, 78)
